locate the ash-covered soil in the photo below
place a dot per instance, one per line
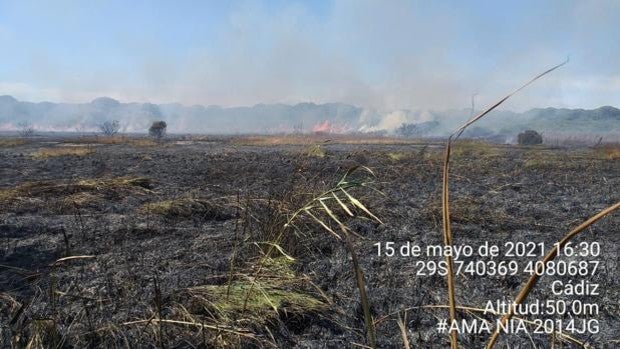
(168, 241)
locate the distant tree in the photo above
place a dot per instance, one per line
(110, 128)
(416, 130)
(25, 129)
(529, 137)
(158, 129)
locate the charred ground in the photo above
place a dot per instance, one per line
(167, 239)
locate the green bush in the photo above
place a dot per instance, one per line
(529, 137)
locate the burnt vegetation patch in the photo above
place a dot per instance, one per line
(266, 244)
(59, 196)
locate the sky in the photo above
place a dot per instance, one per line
(379, 54)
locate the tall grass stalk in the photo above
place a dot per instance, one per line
(445, 200)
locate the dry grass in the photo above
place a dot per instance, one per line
(47, 153)
(315, 151)
(544, 163)
(11, 142)
(476, 148)
(471, 210)
(397, 156)
(309, 139)
(229, 301)
(403, 330)
(132, 141)
(544, 160)
(248, 304)
(185, 207)
(143, 142)
(99, 140)
(609, 151)
(537, 163)
(60, 195)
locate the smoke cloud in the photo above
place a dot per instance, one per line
(386, 57)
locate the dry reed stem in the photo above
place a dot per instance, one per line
(445, 200)
(531, 282)
(240, 332)
(58, 261)
(361, 286)
(403, 330)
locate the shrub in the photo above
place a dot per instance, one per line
(416, 130)
(529, 137)
(26, 129)
(158, 129)
(110, 128)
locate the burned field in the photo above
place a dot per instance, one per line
(236, 242)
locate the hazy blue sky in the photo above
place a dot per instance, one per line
(383, 54)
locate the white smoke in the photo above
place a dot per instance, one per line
(391, 120)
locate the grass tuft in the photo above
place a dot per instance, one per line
(397, 156)
(315, 150)
(229, 301)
